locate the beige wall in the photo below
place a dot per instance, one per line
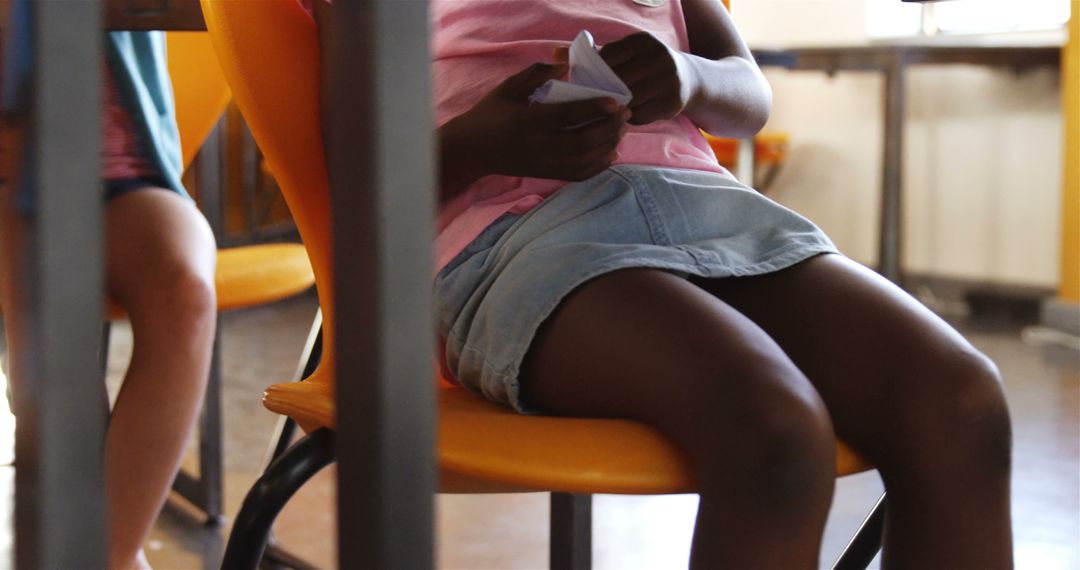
(982, 171)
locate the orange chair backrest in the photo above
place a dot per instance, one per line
(269, 54)
(199, 88)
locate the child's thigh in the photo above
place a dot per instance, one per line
(889, 369)
(155, 238)
(648, 345)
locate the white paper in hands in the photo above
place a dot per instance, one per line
(590, 77)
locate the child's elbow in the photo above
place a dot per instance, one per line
(741, 111)
(757, 108)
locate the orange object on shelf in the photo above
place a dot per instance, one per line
(769, 149)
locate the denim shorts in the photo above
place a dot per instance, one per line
(493, 296)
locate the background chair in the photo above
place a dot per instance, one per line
(246, 276)
(269, 53)
(770, 150)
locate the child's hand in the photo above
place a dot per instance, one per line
(653, 72)
(565, 141)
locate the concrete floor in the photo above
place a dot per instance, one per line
(509, 531)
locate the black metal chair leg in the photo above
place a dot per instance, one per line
(866, 543)
(274, 556)
(277, 558)
(268, 496)
(571, 531)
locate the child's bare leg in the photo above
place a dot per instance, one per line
(160, 267)
(907, 391)
(648, 345)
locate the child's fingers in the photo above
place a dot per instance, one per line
(621, 51)
(523, 83)
(560, 116)
(634, 73)
(604, 133)
(588, 164)
(580, 153)
(645, 93)
(654, 109)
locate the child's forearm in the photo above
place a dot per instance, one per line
(729, 97)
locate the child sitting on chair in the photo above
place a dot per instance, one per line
(595, 260)
(160, 263)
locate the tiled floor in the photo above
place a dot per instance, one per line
(509, 531)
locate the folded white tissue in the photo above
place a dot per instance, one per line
(590, 77)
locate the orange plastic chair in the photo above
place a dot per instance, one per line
(270, 55)
(246, 276)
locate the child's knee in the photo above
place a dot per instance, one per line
(962, 416)
(795, 456)
(177, 291)
(777, 441)
(192, 294)
(980, 416)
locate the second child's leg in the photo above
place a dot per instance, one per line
(648, 345)
(160, 267)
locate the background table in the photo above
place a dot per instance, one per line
(892, 61)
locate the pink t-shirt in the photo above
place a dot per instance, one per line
(479, 43)
(122, 154)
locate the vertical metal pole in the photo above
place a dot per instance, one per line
(378, 131)
(928, 22)
(211, 455)
(53, 210)
(249, 167)
(890, 244)
(744, 162)
(210, 167)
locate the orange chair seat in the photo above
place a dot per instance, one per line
(485, 447)
(254, 274)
